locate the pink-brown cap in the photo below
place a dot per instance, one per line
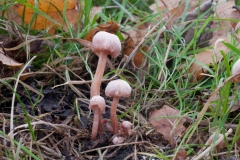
(107, 43)
(118, 88)
(98, 101)
(117, 140)
(127, 124)
(236, 70)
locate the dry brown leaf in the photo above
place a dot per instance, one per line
(129, 47)
(95, 10)
(111, 27)
(206, 57)
(224, 9)
(235, 106)
(181, 155)
(235, 14)
(159, 6)
(166, 123)
(83, 42)
(196, 69)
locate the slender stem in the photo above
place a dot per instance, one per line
(95, 87)
(96, 112)
(100, 125)
(114, 115)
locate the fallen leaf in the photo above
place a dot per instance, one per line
(111, 27)
(205, 36)
(159, 6)
(8, 61)
(181, 155)
(235, 14)
(166, 123)
(235, 106)
(47, 6)
(41, 22)
(207, 57)
(95, 10)
(128, 47)
(196, 69)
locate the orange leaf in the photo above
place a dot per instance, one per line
(166, 123)
(43, 23)
(111, 27)
(47, 6)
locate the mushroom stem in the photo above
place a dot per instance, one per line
(100, 124)
(114, 115)
(95, 87)
(95, 125)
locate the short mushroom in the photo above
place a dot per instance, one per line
(117, 140)
(97, 104)
(125, 126)
(236, 70)
(104, 44)
(116, 89)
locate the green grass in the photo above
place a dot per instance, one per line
(162, 83)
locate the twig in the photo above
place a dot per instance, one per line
(116, 145)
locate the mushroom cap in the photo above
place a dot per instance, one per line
(98, 101)
(236, 70)
(127, 124)
(107, 43)
(117, 140)
(118, 88)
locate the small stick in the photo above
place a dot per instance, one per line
(116, 145)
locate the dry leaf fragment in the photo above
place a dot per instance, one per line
(8, 61)
(181, 155)
(235, 106)
(139, 56)
(111, 27)
(203, 8)
(196, 69)
(235, 15)
(167, 124)
(207, 58)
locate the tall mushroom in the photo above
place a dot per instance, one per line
(104, 44)
(116, 89)
(97, 104)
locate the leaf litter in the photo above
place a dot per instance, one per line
(62, 121)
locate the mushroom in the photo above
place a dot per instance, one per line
(125, 127)
(104, 44)
(236, 70)
(97, 104)
(117, 140)
(116, 89)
